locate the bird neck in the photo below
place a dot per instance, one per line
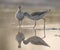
(19, 10)
(25, 41)
(27, 14)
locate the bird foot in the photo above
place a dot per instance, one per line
(44, 37)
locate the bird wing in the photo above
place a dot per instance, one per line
(38, 13)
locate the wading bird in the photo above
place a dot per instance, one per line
(34, 16)
(20, 15)
(37, 16)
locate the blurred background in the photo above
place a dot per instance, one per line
(9, 23)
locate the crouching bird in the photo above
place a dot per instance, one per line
(35, 40)
(20, 37)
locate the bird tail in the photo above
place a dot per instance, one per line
(46, 45)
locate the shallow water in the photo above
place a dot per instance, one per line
(9, 29)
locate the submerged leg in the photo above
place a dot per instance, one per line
(44, 29)
(35, 32)
(34, 27)
(20, 23)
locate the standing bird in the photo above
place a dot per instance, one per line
(37, 16)
(20, 15)
(35, 40)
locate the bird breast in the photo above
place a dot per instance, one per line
(20, 15)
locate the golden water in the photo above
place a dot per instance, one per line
(9, 29)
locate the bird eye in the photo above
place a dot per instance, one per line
(20, 6)
(25, 42)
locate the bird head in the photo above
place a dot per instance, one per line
(19, 6)
(25, 41)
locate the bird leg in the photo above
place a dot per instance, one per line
(19, 26)
(35, 32)
(44, 29)
(34, 27)
(20, 23)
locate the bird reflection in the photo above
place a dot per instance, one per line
(20, 37)
(36, 40)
